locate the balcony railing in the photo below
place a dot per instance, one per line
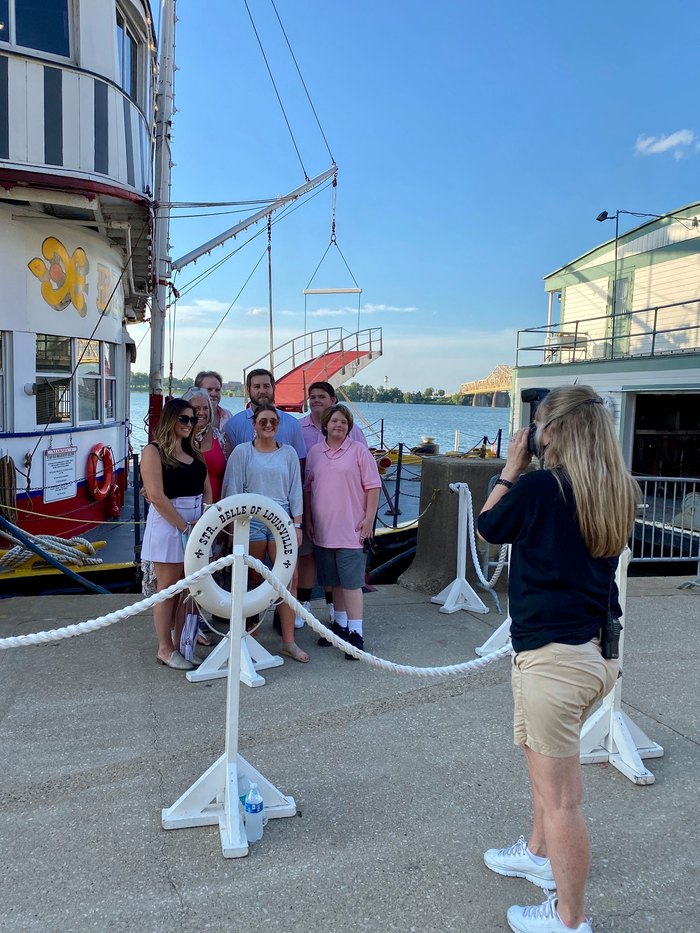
(654, 331)
(59, 120)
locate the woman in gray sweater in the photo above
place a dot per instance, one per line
(267, 468)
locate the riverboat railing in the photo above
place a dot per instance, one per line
(667, 527)
(646, 332)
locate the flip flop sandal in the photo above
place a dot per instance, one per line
(293, 651)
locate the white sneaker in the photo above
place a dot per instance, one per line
(542, 918)
(516, 862)
(298, 621)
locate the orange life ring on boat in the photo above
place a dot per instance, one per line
(99, 453)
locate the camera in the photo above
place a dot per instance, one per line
(532, 445)
(610, 637)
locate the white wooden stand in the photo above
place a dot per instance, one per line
(496, 640)
(213, 798)
(609, 734)
(254, 658)
(459, 594)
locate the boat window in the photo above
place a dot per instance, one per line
(109, 371)
(52, 354)
(53, 362)
(128, 55)
(2, 380)
(87, 380)
(43, 25)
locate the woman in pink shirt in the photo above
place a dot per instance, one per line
(341, 495)
(208, 440)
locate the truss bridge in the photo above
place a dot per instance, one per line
(493, 391)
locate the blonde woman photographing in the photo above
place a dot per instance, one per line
(568, 524)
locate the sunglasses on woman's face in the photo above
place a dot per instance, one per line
(187, 419)
(264, 422)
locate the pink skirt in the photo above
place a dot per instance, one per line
(162, 542)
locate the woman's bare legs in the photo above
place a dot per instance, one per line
(165, 614)
(557, 794)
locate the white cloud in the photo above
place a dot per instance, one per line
(674, 142)
(200, 309)
(256, 312)
(380, 309)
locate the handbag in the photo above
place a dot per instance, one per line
(190, 628)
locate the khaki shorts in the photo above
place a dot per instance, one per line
(555, 688)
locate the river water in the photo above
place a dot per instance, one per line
(407, 423)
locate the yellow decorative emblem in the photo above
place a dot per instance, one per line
(62, 277)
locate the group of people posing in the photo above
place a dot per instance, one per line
(318, 469)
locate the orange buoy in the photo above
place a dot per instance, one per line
(99, 454)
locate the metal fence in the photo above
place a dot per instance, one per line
(668, 524)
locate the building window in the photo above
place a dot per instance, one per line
(128, 55)
(53, 368)
(36, 24)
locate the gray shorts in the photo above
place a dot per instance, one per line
(341, 566)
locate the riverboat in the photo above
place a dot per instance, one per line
(76, 228)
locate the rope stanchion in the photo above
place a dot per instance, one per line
(609, 734)
(459, 594)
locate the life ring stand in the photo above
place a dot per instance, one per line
(100, 453)
(219, 516)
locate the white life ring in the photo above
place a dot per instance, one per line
(240, 508)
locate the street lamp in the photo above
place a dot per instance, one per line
(604, 215)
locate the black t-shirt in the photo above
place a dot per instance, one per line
(186, 479)
(557, 592)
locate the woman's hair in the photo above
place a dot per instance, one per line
(266, 406)
(193, 393)
(328, 414)
(165, 436)
(583, 445)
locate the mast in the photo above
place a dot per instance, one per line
(161, 246)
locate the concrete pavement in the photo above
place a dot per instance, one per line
(401, 783)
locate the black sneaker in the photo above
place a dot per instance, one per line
(356, 640)
(337, 630)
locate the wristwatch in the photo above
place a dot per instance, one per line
(503, 482)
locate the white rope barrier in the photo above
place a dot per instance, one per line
(120, 615)
(489, 584)
(465, 667)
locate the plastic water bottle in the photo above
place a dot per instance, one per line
(243, 788)
(253, 814)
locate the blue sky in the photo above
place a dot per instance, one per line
(476, 144)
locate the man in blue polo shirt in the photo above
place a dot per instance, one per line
(260, 384)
